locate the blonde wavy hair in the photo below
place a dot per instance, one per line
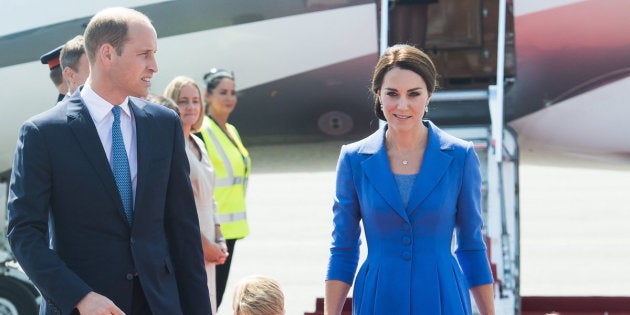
(258, 295)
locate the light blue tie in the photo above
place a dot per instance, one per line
(120, 165)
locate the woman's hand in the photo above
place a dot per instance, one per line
(484, 298)
(214, 253)
(223, 245)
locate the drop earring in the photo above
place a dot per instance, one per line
(381, 107)
(426, 108)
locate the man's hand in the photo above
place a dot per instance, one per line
(96, 304)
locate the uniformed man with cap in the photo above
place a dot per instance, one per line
(74, 63)
(51, 58)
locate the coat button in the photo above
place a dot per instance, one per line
(406, 240)
(406, 255)
(129, 276)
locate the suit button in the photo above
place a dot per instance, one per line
(129, 276)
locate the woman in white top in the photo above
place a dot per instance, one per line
(187, 95)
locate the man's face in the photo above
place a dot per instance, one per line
(78, 77)
(131, 72)
(83, 71)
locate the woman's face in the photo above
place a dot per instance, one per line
(404, 96)
(189, 103)
(222, 100)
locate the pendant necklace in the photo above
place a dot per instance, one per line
(404, 162)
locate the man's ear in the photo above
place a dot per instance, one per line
(106, 53)
(68, 74)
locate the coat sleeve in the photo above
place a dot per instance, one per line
(28, 207)
(183, 233)
(344, 252)
(471, 249)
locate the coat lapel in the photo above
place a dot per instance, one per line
(81, 124)
(434, 165)
(143, 149)
(379, 174)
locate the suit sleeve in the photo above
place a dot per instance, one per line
(28, 207)
(344, 252)
(183, 233)
(471, 249)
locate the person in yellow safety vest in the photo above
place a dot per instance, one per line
(231, 164)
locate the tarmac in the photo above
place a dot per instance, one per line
(574, 215)
(574, 218)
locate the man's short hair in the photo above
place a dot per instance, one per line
(72, 52)
(56, 75)
(110, 26)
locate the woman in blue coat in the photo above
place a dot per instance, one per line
(412, 185)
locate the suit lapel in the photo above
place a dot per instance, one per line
(143, 149)
(81, 124)
(379, 174)
(434, 165)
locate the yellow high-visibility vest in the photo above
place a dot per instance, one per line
(231, 164)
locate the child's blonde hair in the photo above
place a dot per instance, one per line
(258, 295)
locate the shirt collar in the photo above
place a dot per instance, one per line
(99, 108)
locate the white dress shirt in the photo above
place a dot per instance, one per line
(101, 112)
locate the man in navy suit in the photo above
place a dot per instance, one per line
(117, 244)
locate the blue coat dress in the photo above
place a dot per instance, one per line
(410, 268)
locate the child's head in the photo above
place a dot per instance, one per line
(258, 295)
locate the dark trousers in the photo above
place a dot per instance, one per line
(223, 271)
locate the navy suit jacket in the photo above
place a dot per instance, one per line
(62, 187)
